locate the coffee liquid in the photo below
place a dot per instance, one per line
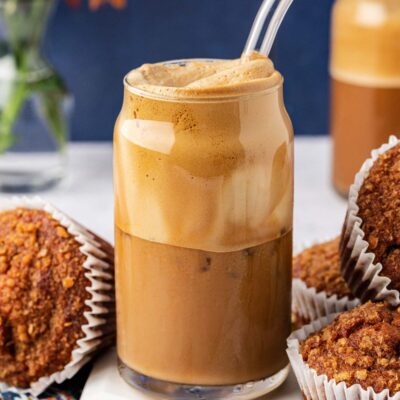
(200, 317)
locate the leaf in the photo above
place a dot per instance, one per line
(52, 110)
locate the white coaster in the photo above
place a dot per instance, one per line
(105, 383)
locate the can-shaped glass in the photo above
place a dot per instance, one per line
(203, 235)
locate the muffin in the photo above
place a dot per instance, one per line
(52, 272)
(370, 247)
(318, 286)
(357, 354)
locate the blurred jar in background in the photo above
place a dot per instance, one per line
(365, 82)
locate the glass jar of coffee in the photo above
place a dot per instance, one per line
(365, 76)
(203, 173)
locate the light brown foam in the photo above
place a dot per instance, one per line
(365, 80)
(211, 176)
(203, 78)
(365, 42)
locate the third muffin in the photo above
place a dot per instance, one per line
(360, 347)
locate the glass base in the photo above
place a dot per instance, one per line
(27, 183)
(27, 173)
(176, 391)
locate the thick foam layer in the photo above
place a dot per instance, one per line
(199, 78)
(209, 175)
(365, 43)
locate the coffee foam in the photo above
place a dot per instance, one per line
(364, 79)
(198, 78)
(208, 175)
(243, 205)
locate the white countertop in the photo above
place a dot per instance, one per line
(87, 196)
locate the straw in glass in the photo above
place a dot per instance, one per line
(258, 24)
(272, 29)
(274, 25)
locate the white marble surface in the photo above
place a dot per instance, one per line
(87, 196)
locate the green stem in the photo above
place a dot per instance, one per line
(18, 94)
(52, 110)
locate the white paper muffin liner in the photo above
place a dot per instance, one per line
(319, 387)
(358, 267)
(99, 331)
(308, 304)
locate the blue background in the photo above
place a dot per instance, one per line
(94, 50)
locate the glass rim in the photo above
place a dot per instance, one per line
(198, 99)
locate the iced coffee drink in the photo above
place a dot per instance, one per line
(203, 169)
(365, 72)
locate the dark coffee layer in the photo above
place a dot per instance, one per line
(197, 317)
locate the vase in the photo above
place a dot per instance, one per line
(34, 102)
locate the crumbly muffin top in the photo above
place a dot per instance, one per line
(42, 295)
(361, 346)
(379, 209)
(319, 267)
